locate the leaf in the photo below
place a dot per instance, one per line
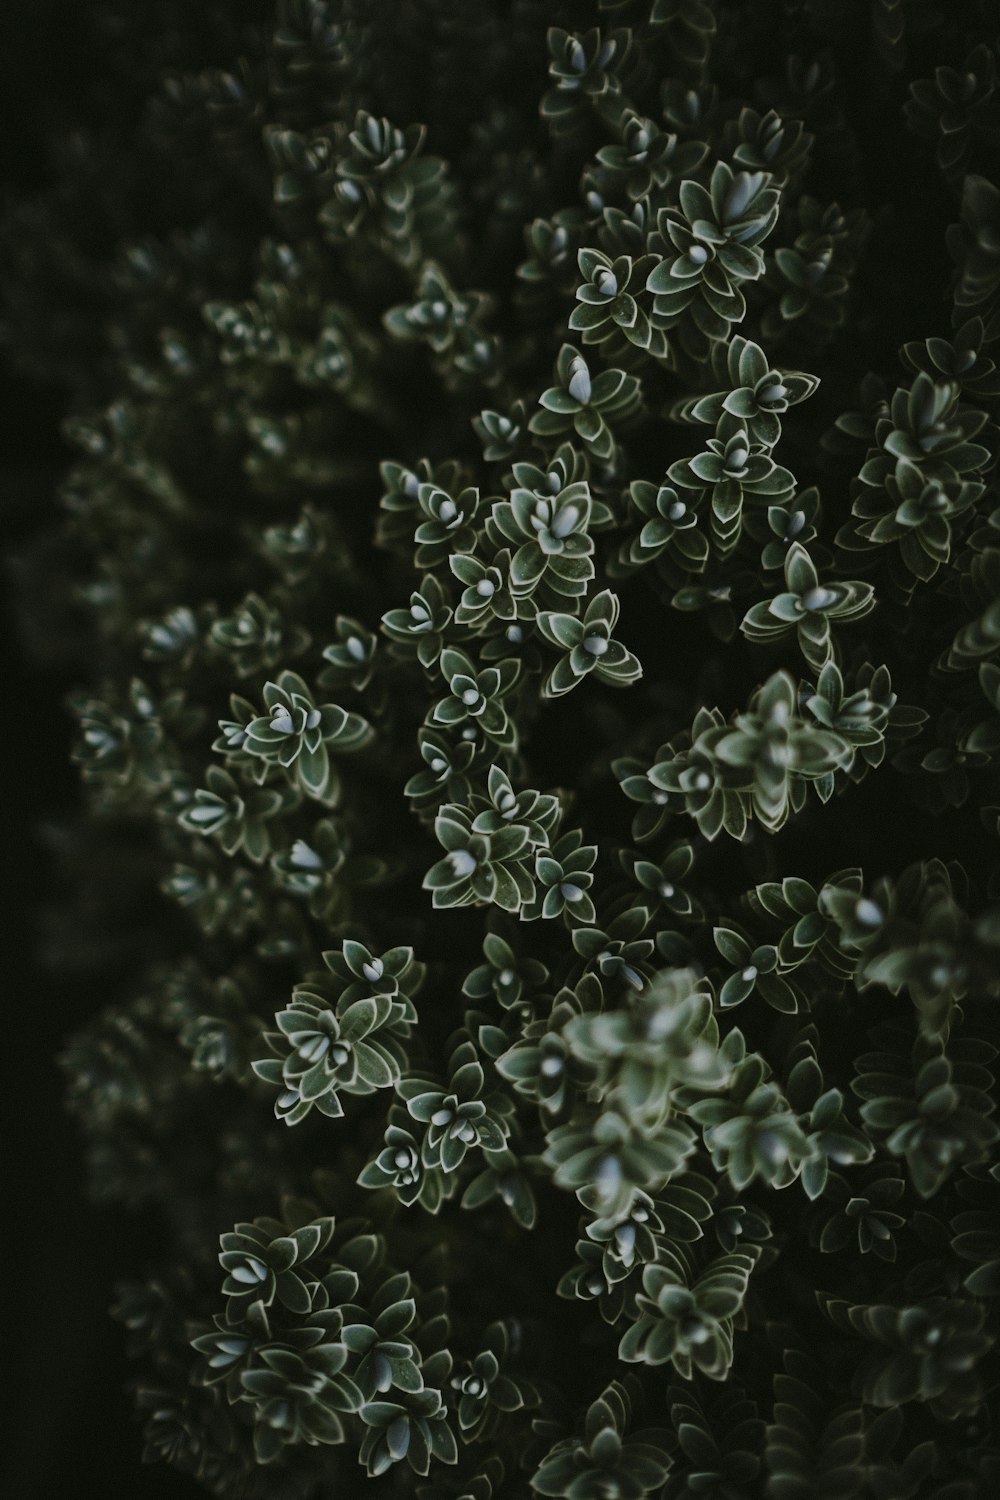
(558, 401)
(564, 631)
(314, 769)
(739, 403)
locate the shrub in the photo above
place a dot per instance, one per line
(546, 643)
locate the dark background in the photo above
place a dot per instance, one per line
(70, 1431)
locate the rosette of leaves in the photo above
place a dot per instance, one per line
(688, 110)
(619, 952)
(927, 428)
(462, 1116)
(809, 608)
(957, 110)
(394, 973)
(548, 272)
(302, 165)
(398, 1167)
(932, 1351)
(449, 322)
(564, 873)
(765, 142)
(813, 275)
(386, 187)
(922, 508)
(608, 1159)
(961, 748)
(263, 1262)
(444, 776)
(920, 938)
(539, 812)
(935, 1112)
(342, 358)
(291, 548)
(730, 468)
(608, 1458)
(484, 1391)
(446, 524)
(298, 735)
(714, 597)
(864, 712)
(237, 816)
(503, 1177)
(777, 754)
(127, 745)
(689, 776)
(276, 441)
(547, 521)
(586, 405)
(758, 395)
(323, 1051)
(229, 1348)
(222, 1038)
(420, 629)
(964, 358)
(612, 296)
(667, 1038)
(709, 247)
(667, 880)
(217, 898)
(297, 1395)
(246, 332)
(831, 1137)
(399, 507)
(447, 767)
(350, 657)
(621, 231)
(502, 434)
(414, 1427)
(669, 526)
(754, 971)
(750, 1129)
(176, 636)
(810, 919)
(589, 646)
(864, 1213)
(644, 159)
(540, 1065)
(253, 638)
(487, 593)
(655, 804)
(587, 1281)
(584, 68)
(506, 975)
(476, 697)
(796, 520)
(630, 1243)
(376, 1336)
(478, 867)
(689, 1325)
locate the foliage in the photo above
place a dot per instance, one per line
(540, 662)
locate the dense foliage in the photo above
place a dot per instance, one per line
(544, 646)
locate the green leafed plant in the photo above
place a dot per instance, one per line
(538, 732)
